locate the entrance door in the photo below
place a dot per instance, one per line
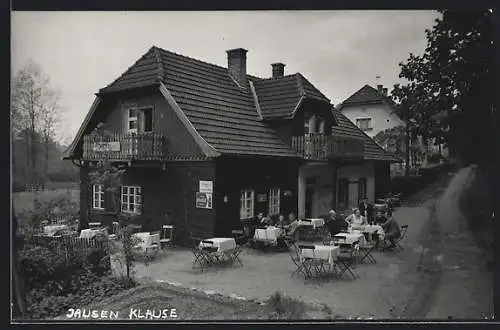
(353, 194)
(309, 201)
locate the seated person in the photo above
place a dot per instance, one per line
(335, 224)
(356, 219)
(263, 220)
(293, 224)
(380, 217)
(391, 229)
(282, 222)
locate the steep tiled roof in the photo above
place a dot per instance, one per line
(347, 128)
(221, 112)
(280, 97)
(366, 95)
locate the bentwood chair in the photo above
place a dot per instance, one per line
(167, 235)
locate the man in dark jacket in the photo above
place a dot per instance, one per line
(366, 210)
(335, 224)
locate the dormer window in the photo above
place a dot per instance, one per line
(140, 120)
(314, 125)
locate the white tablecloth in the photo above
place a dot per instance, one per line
(90, 233)
(315, 223)
(268, 234)
(221, 243)
(350, 238)
(371, 229)
(323, 252)
(146, 239)
(51, 229)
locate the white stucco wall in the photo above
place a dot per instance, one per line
(355, 172)
(322, 196)
(380, 114)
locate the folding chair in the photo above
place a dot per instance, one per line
(239, 236)
(398, 241)
(298, 262)
(200, 259)
(346, 260)
(366, 252)
(386, 245)
(210, 252)
(235, 255)
(318, 265)
(167, 235)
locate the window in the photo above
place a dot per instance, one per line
(321, 126)
(132, 123)
(362, 189)
(274, 201)
(140, 120)
(98, 196)
(246, 204)
(306, 126)
(131, 199)
(364, 124)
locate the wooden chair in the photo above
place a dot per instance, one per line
(115, 231)
(301, 267)
(346, 260)
(167, 236)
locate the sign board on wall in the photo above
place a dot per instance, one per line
(106, 146)
(206, 187)
(262, 198)
(203, 200)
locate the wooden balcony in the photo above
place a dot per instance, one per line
(328, 147)
(124, 147)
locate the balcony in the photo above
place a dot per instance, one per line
(124, 147)
(328, 147)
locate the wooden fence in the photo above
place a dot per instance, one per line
(69, 246)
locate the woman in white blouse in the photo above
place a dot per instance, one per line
(356, 219)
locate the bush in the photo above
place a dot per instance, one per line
(286, 307)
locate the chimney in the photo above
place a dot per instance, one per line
(278, 70)
(385, 91)
(237, 65)
(379, 88)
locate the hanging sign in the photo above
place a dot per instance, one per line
(206, 186)
(203, 200)
(262, 198)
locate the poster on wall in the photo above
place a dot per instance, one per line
(206, 187)
(261, 198)
(203, 200)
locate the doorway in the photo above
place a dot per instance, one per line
(309, 201)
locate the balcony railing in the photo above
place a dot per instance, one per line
(124, 147)
(326, 147)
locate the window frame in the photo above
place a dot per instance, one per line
(274, 201)
(132, 119)
(98, 192)
(247, 213)
(364, 119)
(362, 193)
(125, 204)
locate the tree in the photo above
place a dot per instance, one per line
(35, 112)
(448, 93)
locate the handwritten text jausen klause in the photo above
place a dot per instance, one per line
(133, 314)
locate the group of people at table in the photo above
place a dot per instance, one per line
(360, 217)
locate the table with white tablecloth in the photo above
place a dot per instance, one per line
(146, 240)
(372, 229)
(91, 232)
(350, 238)
(222, 244)
(268, 234)
(52, 229)
(323, 252)
(314, 222)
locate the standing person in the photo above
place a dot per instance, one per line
(366, 209)
(391, 229)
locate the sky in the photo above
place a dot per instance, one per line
(338, 51)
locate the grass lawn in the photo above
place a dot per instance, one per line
(24, 201)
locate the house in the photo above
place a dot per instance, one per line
(374, 111)
(206, 147)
